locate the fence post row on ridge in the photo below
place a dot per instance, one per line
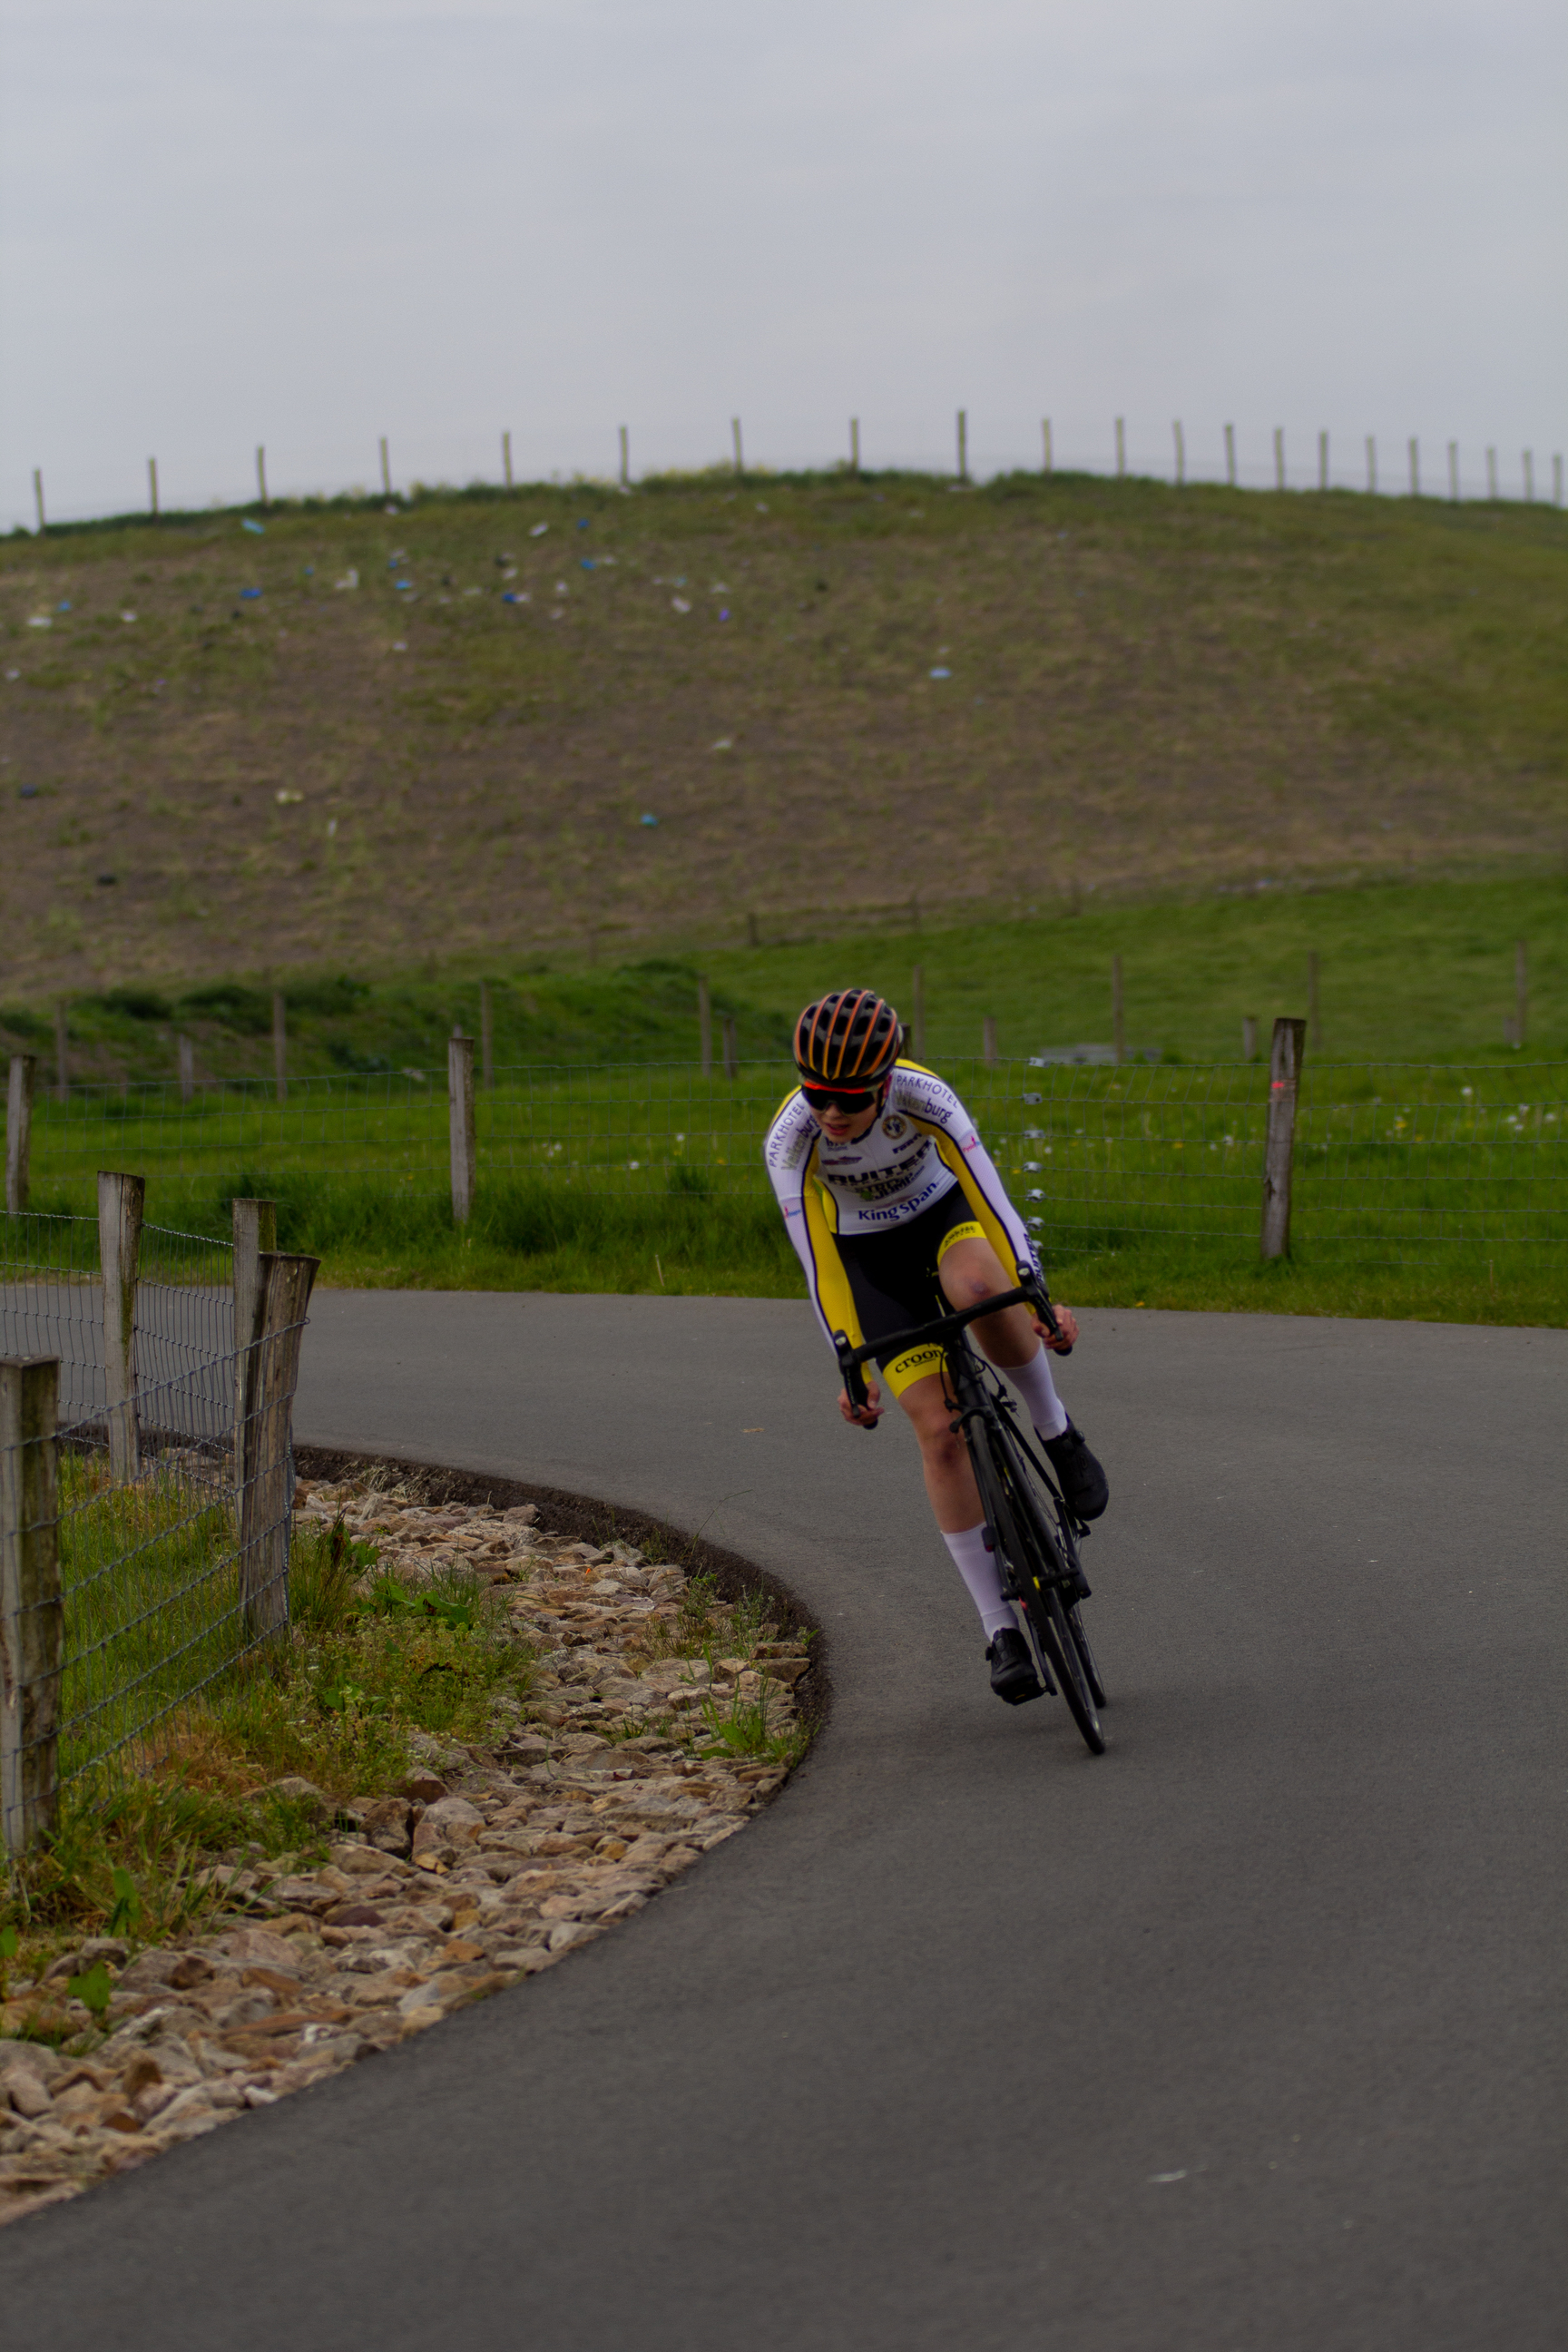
(31, 1624)
(1279, 1142)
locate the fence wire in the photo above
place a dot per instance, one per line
(171, 1515)
(1394, 1163)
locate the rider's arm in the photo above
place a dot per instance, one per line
(787, 1155)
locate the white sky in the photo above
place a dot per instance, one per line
(310, 222)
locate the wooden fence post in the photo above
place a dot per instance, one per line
(487, 1038)
(1118, 1029)
(1557, 480)
(1322, 461)
(460, 1121)
(38, 498)
(1530, 477)
(32, 1621)
(63, 1053)
(152, 486)
(988, 1042)
(1181, 454)
(120, 1202)
(385, 470)
(187, 1067)
(1121, 449)
(732, 1047)
(964, 444)
(1230, 455)
(261, 474)
(280, 1044)
(1250, 1036)
(1284, 1075)
(855, 446)
(1372, 465)
(255, 1236)
(270, 1368)
(1314, 1015)
(1046, 429)
(740, 452)
(625, 460)
(506, 458)
(1414, 466)
(1492, 474)
(1454, 472)
(1278, 456)
(18, 1130)
(917, 1024)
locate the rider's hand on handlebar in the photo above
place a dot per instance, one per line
(1067, 1330)
(865, 1416)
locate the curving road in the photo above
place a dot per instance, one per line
(1247, 2038)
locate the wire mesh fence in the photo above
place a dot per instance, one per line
(52, 1304)
(144, 1538)
(1393, 1162)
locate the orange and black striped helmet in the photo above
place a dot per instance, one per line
(849, 1039)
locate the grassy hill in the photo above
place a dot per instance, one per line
(847, 706)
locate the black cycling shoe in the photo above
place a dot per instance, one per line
(1013, 1675)
(1082, 1481)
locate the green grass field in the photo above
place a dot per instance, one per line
(1420, 971)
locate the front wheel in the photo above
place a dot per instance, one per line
(1065, 1647)
(1030, 1545)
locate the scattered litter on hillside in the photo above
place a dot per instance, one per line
(680, 604)
(349, 579)
(539, 530)
(941, 673)
(647, 819)
(259, 528)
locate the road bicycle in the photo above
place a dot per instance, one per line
(1028, 1527)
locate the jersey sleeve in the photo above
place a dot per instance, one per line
(787, 1156)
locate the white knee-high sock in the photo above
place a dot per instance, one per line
(1033, 1384)
(980, 1573)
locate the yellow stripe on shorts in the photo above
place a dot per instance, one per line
(969, 1231)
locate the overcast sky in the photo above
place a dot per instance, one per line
(311, 222)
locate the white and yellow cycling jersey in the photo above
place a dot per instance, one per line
(924, 1143)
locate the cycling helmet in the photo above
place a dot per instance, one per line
(849, 1039)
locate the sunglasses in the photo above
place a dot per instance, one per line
(828, 1099)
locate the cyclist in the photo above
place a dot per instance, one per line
(892, 1202)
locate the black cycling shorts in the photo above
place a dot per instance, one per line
(894, 1282)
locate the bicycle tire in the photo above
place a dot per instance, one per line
(1087, 1658)
(1030, 1548)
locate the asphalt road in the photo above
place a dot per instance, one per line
(1247, 2037)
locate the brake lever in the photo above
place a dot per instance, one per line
(1039, 1300)
(854, 1379)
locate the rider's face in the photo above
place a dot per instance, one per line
(844, 1125)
